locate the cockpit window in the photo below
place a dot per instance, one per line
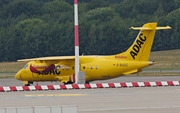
(26, 66)
(58, 67)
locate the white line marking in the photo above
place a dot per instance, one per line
(19, 88)
(141, 84)
(129, 84)
(176, 83)
(44, 87)
(6, 89)
(164, 83)
(81, 86)
(93, 85)
(105, 85)
(32, 88)
(117, 85)
(56, 87)
(69, 87)
(153, 83)
(130, 108)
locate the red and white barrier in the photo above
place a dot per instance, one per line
(89, 86)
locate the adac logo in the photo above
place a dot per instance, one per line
(138, 45)
(52, 72)
(51, 69)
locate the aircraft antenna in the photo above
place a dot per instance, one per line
(76, 40)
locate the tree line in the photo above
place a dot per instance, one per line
(37, 28)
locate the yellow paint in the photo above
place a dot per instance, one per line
(96, 67)
(52, 95)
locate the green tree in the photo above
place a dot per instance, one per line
(32, 36)
(57, 11)
(17, 7)
(97, 4)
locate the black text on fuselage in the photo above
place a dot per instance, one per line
(52, 72)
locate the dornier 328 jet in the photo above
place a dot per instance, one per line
(96, 67)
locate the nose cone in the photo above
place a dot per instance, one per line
(18, 75)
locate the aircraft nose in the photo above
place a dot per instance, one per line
(18, 75)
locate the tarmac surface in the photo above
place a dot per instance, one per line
(105, 100)
(14, 82)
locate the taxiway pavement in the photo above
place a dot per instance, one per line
(105, 100)
(14, 82)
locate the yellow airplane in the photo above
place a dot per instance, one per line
(96, 67)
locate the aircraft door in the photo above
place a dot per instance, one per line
(92, 71)
(104, 70)
(85, 68)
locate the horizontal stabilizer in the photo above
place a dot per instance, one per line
(163, 28)
(148, 28)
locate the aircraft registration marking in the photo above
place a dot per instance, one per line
(117, 56)
(52, 95)
(122, 65)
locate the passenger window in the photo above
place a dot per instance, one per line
(91, 67)
(58, 67)
(96, 67)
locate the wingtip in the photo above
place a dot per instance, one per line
(168, 27)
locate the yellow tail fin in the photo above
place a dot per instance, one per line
(140, 49)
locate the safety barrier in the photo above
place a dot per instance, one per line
(41, 109)
(90, 86)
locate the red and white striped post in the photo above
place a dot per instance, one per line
(76, 40)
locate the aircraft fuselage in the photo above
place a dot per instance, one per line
(95, 68)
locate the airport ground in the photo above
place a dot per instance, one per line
(105, 100)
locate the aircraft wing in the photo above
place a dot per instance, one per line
(52, 58)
